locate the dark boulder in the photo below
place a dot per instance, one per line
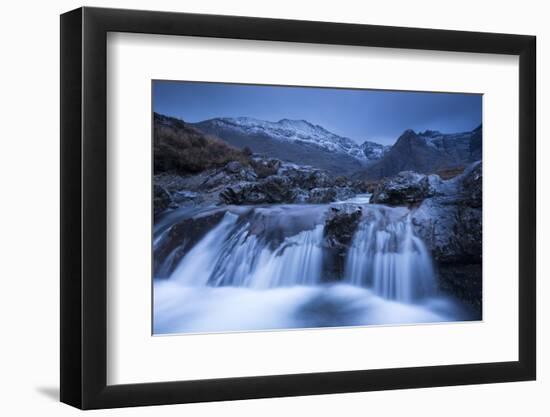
(464, 281)
(266, 167)
(321, 195)
(472, 186)
(341, 223)
(242, 193)
(181, 237)
(344, 193)
(274, 189)
(161, 200)
(306, 177)
(277, 188)
(406, 188)
(451, 222)
(233, 172)
(451, 226)
(340, 226)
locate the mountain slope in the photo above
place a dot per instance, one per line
(427, 152)
(295, 141)
(179, 147)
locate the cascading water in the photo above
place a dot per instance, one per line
(263, 268)
(387, 256)
(230, 255)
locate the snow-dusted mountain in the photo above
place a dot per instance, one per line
(297, 141)
(291, 131)
(374, 151)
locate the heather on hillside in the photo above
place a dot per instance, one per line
(180, 148)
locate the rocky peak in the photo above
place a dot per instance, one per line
(431, 133)
(374, 151)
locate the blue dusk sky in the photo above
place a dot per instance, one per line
(376, 115)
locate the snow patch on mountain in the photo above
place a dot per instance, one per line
(441, 141)
(298, 131)
(374, 151)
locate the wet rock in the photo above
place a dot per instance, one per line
(161, 200)
(306, 177)
(472, 186)
(300, 196)
(277, 188)
(233, 167)
(451, 227)
(406, 188)
(242, 193)
(340, 226)
(451, 224)
(233, 172)
(183, 196)
(240, 172)
(274, 189)
(341, 223)
(344, 193)
(181, 237)
(321, 195)
(464, 281)
(266, 167)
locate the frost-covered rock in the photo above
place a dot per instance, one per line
(406, 188)
(321, 195)
(292, 184)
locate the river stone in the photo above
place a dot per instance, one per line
(341, 223)
(340, 226)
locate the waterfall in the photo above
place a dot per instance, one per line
(387, 256)
(272, 267)
(199, 263)
(231, 255)
(384, 256)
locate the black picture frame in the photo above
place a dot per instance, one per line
(84, 207)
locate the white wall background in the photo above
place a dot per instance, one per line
(29, 177)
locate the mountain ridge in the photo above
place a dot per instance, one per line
(296, 141)
(427, 152)
(305, 143)
(291, 130)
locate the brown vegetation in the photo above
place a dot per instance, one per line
(181, 148)
(446, 174)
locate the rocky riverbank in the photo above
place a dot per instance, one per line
(264, 181)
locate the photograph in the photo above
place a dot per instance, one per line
(284, 207)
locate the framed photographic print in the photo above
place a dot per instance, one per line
(257, 208)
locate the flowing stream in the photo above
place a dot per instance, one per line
(265, 268)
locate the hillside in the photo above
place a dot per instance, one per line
(179, 147)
